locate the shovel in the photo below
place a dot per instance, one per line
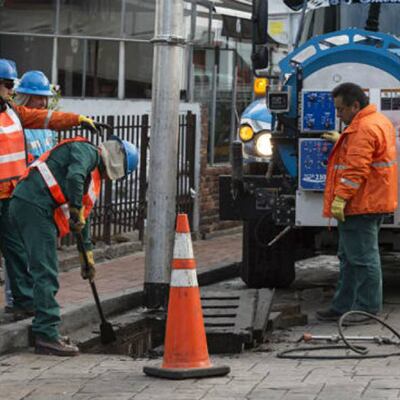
(107, 334)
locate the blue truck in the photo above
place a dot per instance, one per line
(279, 160)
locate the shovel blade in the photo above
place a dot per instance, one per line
(107, 334)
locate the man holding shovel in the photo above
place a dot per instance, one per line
(56, 195)
(13, 162)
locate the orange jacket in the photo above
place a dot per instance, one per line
(14, 145)
(362, 167)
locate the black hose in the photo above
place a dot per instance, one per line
(362, 351)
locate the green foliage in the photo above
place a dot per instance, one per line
(54, 100)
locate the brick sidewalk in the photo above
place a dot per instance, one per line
(128, 272)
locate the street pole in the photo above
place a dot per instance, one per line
(167, 75)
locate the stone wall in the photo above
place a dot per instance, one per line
(209, 192)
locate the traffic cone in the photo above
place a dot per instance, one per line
(185, 347)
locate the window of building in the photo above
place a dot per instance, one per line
(90, 17)
(88, 68)
(70, 66)
(138, 70)
(29, 53)
(35, 16)
(139, 19)
(102, 69)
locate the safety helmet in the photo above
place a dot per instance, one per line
(120, 157)
(131, 154)
(34, 82)
(8, 69)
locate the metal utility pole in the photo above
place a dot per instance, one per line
(167, 74)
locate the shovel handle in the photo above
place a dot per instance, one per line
(81, 248)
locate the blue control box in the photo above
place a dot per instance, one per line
(313, 159)
(318, 111)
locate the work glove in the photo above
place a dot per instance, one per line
(87, 271)
(337, 208)
(92, 126)
(76, 219)
(331, 136)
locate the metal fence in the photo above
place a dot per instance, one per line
(122, 204)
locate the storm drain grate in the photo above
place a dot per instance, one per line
(234, 319)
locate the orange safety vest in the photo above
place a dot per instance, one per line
(61, 213)
(12, 151)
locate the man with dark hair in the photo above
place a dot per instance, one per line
(361, 186)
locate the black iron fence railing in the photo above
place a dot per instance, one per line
(122, 204)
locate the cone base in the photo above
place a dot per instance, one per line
(186, 373)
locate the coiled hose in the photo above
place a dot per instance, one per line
(361, 351)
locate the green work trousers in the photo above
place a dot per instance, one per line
(14, 252)
(39, 233)
(360, 280)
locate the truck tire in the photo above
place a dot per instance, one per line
(267, 267)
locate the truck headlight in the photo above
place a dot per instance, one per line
(263, 145)
(246, 133)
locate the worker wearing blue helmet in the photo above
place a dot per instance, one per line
(62, 183)
(13, 162)
(34, 91)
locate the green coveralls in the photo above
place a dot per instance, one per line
(31, 211)
(12, 247)
(360, 280)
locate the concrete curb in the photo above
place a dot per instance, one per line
(16, 335)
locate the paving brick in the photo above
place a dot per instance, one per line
(389, 394)
(385, 383)
(128, 272)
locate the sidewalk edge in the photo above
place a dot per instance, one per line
(15, 336)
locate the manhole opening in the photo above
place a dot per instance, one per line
(136, 340)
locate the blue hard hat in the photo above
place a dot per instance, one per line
(34, 82)
(131, 155)
(8, 69)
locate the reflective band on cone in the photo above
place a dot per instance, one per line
(185, 347)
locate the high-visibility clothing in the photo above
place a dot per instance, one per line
(61, 213)
(38, 141)
(362, 167)
(13, 156)
(12, 150)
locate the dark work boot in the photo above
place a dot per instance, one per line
(328, 315)
(21, 313)
(56, 348)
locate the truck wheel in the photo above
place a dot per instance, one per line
(264, 266)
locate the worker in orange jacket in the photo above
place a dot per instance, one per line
(13, 162)
(361, 187)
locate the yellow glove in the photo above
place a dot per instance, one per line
(337, 208)
(87, 271)
(331, 136)
(76, 219)
(88, 123)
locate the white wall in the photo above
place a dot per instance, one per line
(116, 107)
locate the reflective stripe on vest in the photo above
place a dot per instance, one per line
(61, 213)
(12, 146)
(93, 192)
(350, 183)
(339, 167)
(383, 164)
